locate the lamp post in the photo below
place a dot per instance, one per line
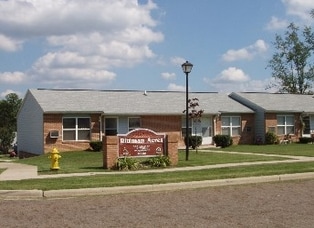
(187, 67)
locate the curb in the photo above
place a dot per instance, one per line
(68, 193)
(21, 194)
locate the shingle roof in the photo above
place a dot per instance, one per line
(278, 102)
(113, 102)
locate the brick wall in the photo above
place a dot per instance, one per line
(271, 121)
(164, 124)
(54, 122)
(247, 129)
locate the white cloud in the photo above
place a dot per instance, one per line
(168, 76)
(175, 87)
(247, 86)
(276, 24)
(299, 8)
(9, 45)
(87, 39)
(178, 61)
(246, 53)
(8, 91)
(12, 77)
(233, 75)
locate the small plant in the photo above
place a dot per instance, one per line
(271, 138)
(194, 141)
(127, 163)
(96, 145)
(223, 140)
(305, 140)
(160, 161)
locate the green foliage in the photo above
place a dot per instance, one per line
(194, 141)
(271, 138)
(291, 64)
(8, 114)
(6, 138)
(223, 140)
(160, 161)
(96, 145)
(305, 140)
(130, 163)
(127, 163)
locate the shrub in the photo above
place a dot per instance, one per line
(223, 140)
(127, 163)
(271, 138)
(160, 161)
(305, 140)
(96, 145)
(130, 163)
(194, 141)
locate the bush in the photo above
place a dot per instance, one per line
(127, 163)
(160, 161)
(271, 138)
(130, 163)
(194, 141)
(223, 140)
(96, 145)
(305, 140)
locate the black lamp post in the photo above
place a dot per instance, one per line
(187, 67)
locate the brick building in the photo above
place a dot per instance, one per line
(70, 119)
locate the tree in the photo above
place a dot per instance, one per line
(291, 64)
(195, 115)
(8, 124)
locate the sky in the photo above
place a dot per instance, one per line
(141, 44)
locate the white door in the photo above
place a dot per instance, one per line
(204, 129)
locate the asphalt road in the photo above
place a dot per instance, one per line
(278, 204)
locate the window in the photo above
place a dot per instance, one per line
(230, 125)
(285, 124)
(76, 128)
(111, 126)
(134, 122)
(183, 124)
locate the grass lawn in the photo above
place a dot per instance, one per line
(81, 161)
(294, 149)
(156, 178)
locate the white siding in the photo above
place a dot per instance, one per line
(30, 136)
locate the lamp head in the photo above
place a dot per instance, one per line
(187, 67)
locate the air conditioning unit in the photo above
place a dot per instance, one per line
(54, 134)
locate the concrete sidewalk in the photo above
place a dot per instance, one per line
(16, 171)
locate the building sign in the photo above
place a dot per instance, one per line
(141, 142)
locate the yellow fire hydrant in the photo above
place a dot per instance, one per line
(55, 156)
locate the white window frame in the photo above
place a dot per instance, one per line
(231, 125)
(286, 125)
(76, 129)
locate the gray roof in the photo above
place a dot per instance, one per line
(278, 102)
(119, 102)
